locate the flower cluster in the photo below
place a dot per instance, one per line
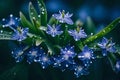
(65, 60)
(12, 22)
(68, 57)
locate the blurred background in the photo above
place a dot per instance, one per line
(99, 12)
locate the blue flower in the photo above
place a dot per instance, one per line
(77, 35)
(20, 34)
(18, 54)
(65, 59)
(44, 60)
(107, 45)
(67, 63)
(57, 61)
(117, 66)
(63, 18)
(12, 22)
(54, 30)
(67, 52)
(33, 54)
(86, 55)
(80, 70)
(63, 63)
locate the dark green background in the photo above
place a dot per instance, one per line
(99, 70)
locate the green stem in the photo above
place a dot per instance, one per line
(103, 32)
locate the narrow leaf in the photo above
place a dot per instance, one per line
(52, 21)
(33, 14)
(43, 12)
(26, 23)
(103, 32)
(38, 41)
(90, 25)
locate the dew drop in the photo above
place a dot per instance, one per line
(104, 31)
(1, 31)
(3, 26)
(66, 65)
(31, 13)
(109, 28)
(42, 12)
(3, 19)
(39, 4)
(95, 36)
(39, 16)
(91, 34)
(33, 17)
(11, 15)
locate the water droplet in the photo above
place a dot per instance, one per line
(1, 31)
(32, 13)
(42, 12)
(39, 4)
(39, 16)
(95, 36)
(3, 19)
(104, 31)
(109, 28)
(111, 25)
(43, 9)
(33, 17)
(3, 26)
(66, 65)
(11, 15)
(91, 34)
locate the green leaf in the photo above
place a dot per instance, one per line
(103, 32)
(112, 58)
(90, 25)
(43, 12)
(26, 23)
(38, 41)
(5, 36)
(52, 21)
(33, 14)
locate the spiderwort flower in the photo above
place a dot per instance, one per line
(12, 22)
(86, 55)
(77, 34)
(117, 66)
(54, 30)
(20, 34)
(18, 54)
(62, 63)
(68, 51)
(33, 54)
(67, 54)
(80, 70)
(44, 60)
(107, 45)
(57, 61)
(63, 18)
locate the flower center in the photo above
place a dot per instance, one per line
(34, 53)
(87, 55)
(66, 57)
(79, 68)
(45, 59)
